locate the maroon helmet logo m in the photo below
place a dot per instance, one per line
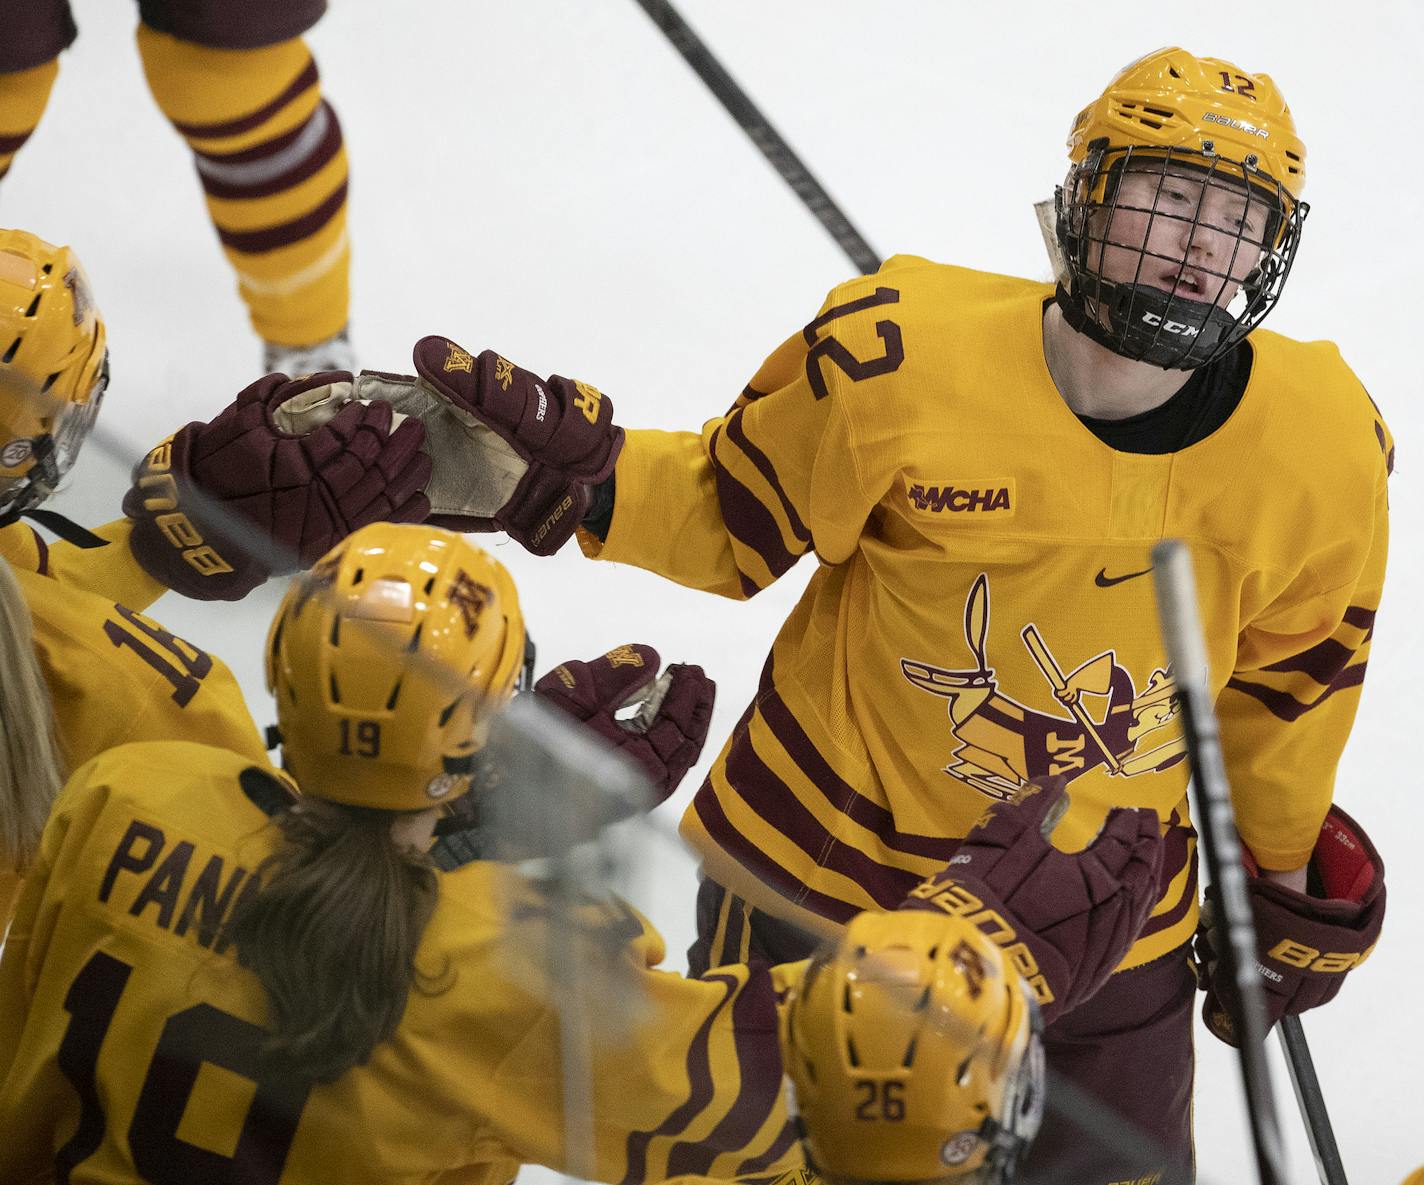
(471, 599)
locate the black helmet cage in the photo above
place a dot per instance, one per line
(55, 451)
(1010, 1136)
(1144, 322)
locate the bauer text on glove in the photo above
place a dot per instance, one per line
(1306, 943)
(1064, 919)
(220, 506)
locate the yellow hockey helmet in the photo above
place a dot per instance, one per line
(387, 661)
(53, 367)
(915, 1053)
(1171, 115)
(1173, 99)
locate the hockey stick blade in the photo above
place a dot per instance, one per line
(1186, 647)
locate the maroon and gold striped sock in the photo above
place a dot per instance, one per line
(23, 96)
(272, 162)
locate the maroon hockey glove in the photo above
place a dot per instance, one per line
(665, 735)
(562, 428)
(1065, 919)
(218, 507)
(1306, 943)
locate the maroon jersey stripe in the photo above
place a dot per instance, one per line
(1322, 662)
(270, 238)
(747, 519)
(1285, 706)
(758, 1051)
(1361, 618)
(776, 803)
(737, 434)
(732, 937)
(763, 867)
(701, 1091)
(1175, 854)
(840, 794)
(42, 551)
(16, 142)
(245, 123)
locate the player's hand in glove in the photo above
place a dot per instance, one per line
(219, 507)
(558, 432)
(1065, 919)
(664, 736)
(1306, 943)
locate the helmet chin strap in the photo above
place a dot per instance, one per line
(65, 528)
(1148, 325)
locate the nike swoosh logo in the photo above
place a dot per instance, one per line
(1103, 580)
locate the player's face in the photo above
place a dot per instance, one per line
(1182, 233)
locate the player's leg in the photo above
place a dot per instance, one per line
(35, 32)
(239, 84)
(1130, 1047)
(731, 931)
(722, 930)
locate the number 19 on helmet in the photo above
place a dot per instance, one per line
(387, 661)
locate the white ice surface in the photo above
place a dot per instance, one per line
(549, 178)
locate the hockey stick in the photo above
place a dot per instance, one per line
(1312, 1101)
(777, 151)
(1186, 647)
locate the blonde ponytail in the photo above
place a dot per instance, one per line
(31, 771)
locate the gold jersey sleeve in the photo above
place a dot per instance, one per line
(116, 675)
(735, 516)
(1290, 702)
(109, 570)
(983, 612)
(129, 1033)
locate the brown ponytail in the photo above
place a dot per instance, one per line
(31, 771)
(332, 936)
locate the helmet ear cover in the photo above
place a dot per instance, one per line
(51, 455)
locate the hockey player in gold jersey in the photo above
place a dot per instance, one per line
(240, 85)
(981, 464)
(111, 673)
(212, 978)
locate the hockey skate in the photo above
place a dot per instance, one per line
(334, 353)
